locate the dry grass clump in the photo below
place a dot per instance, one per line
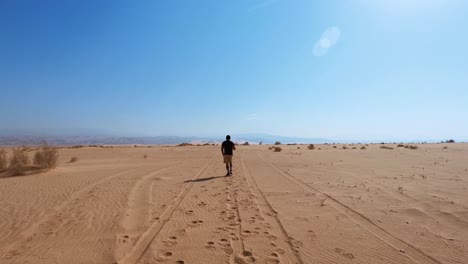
(311, 146)
(3, 160)
(278, 149)
(277, 143)
(385, 147)
(334, 146)
(145, 156)
(363, 147)
(345, 147)
(18, 161)
(400, 146)
(411, 147)
(185, 144)
(46, 157)
(73, 159)
(445, 147)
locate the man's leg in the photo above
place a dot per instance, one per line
(227, 168)
(230, 168)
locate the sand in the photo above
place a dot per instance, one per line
(331, 205)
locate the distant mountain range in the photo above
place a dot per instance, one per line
(7, 138)
(24, 139)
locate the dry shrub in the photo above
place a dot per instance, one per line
(18, 161)
(277, 143)
(185, 144)
(344, 147)
(334, 146)
(363, 147)
(73, 159)
(445, 147)
(46, 157)
(3, 160)
(311, 146)
(411, 147)
(400, 146)
(145, 156)
(278, 149)
(385, 147)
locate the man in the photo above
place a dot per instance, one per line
(226, 148)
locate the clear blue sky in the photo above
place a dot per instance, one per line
(358, 69)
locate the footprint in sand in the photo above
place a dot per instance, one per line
(210, 244)
(343, 253)
(166, 255)
(245, 257)
(273, 258)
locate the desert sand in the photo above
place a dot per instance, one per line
(327, 205)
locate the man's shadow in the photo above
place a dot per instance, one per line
(206, 179)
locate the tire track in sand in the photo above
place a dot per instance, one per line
(145, 239)
(398, 244)
(136, 210)
(292, 254)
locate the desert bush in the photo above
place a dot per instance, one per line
(400, 146)
(385, 147)
(345, 147)
(445, 147)
(3, 160)
(411, 147)
(334, 146)
(277, 143)
(46, 157)
(18, 160)
(363, 147)
(73, 159)
(185, 144)
(311, 146)
(246, 143)
(145, 156)
(450, 141)
(278, 149)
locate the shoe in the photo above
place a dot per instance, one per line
(228, 174)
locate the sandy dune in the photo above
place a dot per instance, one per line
(296, 206)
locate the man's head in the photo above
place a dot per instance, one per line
(228, 137)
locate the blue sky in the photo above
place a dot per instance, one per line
(361, 69)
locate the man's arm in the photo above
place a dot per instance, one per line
(222, 149)
(233, 146)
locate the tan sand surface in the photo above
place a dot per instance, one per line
(327, 205)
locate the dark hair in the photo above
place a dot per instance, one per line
(228, 137)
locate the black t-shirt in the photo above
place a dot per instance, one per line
(227, 146)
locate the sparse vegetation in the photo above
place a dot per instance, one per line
(450, 141)
(246, 143)
(311, 146)
(411, 146)
(277, 143)
(445, 147)
(46, 157)
(363, 147)
(73, 159)
(3, 160)
(334, 146)
(386, 147)
(400, 146)
(18, 161)
(345, 147)
(278, 149)
(185, 144)
(145, 156)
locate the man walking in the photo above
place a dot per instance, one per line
(226, 148)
